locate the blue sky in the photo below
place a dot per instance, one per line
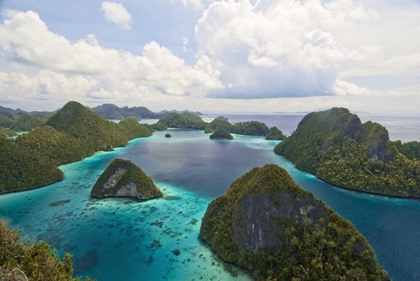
(227, 56)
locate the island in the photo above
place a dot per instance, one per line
(122, 178)
(275, 134)
(221, 135)
(71, 134)
(168, 136)
(185, 120)
(337, 147)
(270, 226)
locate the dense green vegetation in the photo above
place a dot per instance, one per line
(27, 122)
(220, 124)
(72, 134)
(5, 133)
(5, 121)
(119, 176)
(31, 261)
(184, 120)
(338, 148)
(278, 231)
(156, 127)
(274, 134)
(411, 149)
(251, 128)
(221, 134)
(111, 111)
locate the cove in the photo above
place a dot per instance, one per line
(120, 239)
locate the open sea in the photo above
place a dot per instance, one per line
(121, 239)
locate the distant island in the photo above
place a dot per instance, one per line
(122, 178)
(221, 135)
(275, 229)
(337, 147)
(71, 134)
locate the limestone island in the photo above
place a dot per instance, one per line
(270, 226)
(168, 136)
(122, 178)
(337, 147)
(221, 135)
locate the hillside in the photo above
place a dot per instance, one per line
(122, 178)
(278, 231)
(72, 134)
(185, 120)
(27, 122)
(337, 147)
(111, 111)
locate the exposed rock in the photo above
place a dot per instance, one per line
(109, 148)
(272, 227)
(168, 136)
(122, 178)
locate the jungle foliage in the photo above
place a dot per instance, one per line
(5, 133)
(27, 122)
(275, 134)
(338, 148)
(221, 134)
(185, 120)
(72, 134)
(410, 149)
(129, 173)
(326, 248)
(20, 261)
(251, 128)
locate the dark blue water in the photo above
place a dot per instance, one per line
(119, 239)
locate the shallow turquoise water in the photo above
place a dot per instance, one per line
(120, 239)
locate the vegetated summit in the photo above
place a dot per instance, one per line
(338, 148)
(72, 134)
(278, 231)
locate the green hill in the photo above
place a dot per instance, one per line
(122, 178)
(337, 147)
(6, 122)
(72, 134)
(27, 122)
(274, 134)
(185, 120)
(221, 134)
(278, 231)
(5, 133)
(251, 128)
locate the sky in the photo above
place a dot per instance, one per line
(212, 56)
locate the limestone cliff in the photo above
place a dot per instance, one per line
(278, 231)
(122, 178)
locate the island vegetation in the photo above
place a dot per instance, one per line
(123, 178)
(5, 133)
(275, 134)
(339, 149)
(221, 134)
(185, 120)
(27, 122)
(35, 261)
(278, 231)
(410, 149)
(72, 134)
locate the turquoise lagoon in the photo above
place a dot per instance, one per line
(121, 239)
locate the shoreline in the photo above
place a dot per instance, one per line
(351, 189)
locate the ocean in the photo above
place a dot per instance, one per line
(121, 239)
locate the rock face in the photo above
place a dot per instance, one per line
(122, 178)
(275, 229)
(168, 136)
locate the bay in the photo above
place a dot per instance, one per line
(120, 239)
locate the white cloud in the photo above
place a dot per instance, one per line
(117, 13)
(26, 40)
(193, 3)
(300, 48)
(45, 85)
